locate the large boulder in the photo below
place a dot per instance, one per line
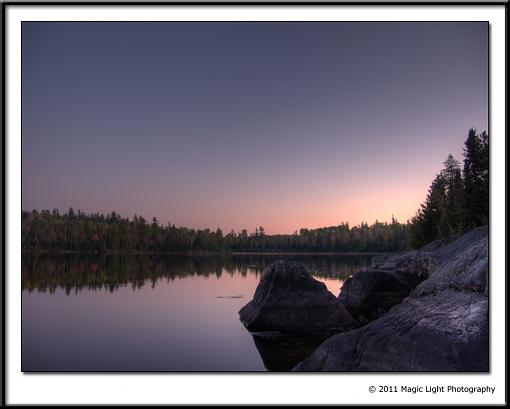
(446, 332)
(371, 292)
(462, 265)
(289, 300)
(441, 326)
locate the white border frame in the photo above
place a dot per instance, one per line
(249, 388)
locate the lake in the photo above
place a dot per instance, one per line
(153, 312)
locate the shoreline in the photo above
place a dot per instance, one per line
(207, 253)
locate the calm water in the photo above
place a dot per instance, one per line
(152, 313)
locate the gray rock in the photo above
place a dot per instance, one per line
(269, 335)
(441, 326)
(446, 332)
(462, 265)
(412, 266)
(289, 300)
(371, 292)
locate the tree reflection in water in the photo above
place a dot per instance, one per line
(193, 331)
(75, 272)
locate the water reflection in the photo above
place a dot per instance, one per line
(155, 313)
(284, 353)
(73, 273)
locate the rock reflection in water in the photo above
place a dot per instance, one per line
(153, 312)
(77, 272)
(282, 353)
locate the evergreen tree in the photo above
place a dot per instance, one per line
(476, 180)
(427, 225)
(457, 201)
(452, 215)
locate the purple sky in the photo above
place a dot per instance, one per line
(236, 125)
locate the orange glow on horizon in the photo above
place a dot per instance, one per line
(287, 214)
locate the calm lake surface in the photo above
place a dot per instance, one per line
(150, 312)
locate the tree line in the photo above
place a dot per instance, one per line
(457, 200)
(77, 231)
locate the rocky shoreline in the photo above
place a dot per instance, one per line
(422, 310)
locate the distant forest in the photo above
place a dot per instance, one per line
(77, 231)
(457, 200)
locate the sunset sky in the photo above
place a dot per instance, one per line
(237, 125)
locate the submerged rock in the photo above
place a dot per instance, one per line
(289, 300)
(441, 326)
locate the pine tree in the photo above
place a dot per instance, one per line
(476, 180)
(427, 223)
(452, 215)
